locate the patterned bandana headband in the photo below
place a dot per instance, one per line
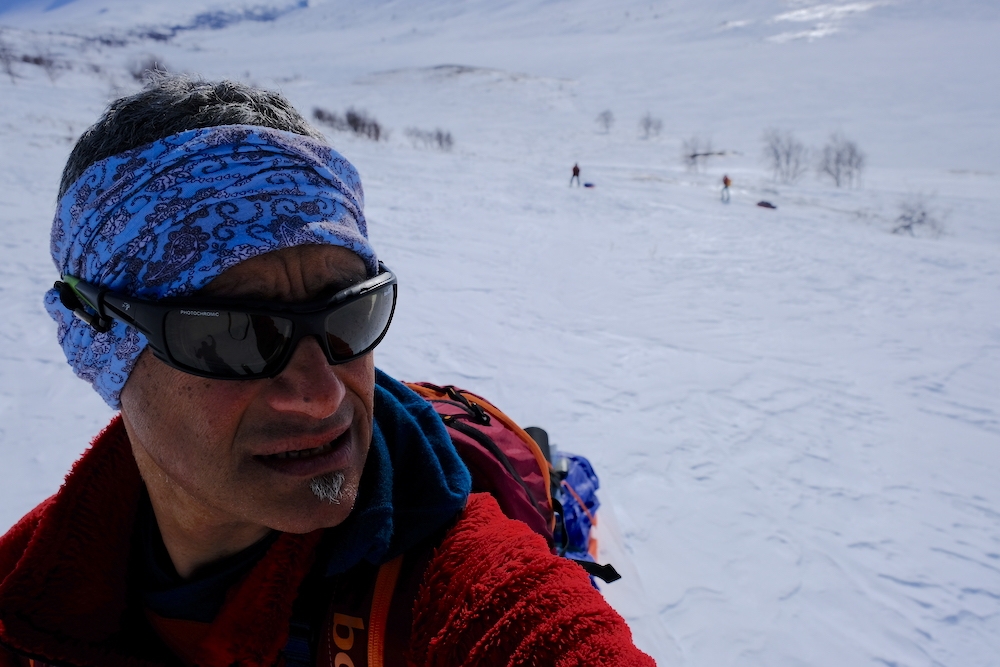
(164, 219)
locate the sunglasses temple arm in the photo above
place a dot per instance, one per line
(75, 294)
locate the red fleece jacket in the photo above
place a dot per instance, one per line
(492, 593)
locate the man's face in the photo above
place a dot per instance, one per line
(245, 454)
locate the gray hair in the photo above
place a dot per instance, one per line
(329, 487)
(170, 104)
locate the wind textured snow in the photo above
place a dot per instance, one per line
(795, 413)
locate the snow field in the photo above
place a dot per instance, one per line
(794, 413)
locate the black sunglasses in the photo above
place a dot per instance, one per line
(231, 339)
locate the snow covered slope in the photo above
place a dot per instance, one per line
(795, 412)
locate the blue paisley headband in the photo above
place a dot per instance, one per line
(164, 219)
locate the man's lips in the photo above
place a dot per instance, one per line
(287, 439)
(299, 453)
(332, 455)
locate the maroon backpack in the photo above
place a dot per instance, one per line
(503, 459)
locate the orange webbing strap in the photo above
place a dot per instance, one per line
(385, 586)
(496, 413)
(583, 505)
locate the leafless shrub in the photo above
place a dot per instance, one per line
(695, 153)
(438, 138)
(155, 35)
(145, 68)
(46, 61)
(330, 119)
(7, 59)
(605, 120)
(364, 125)
(650, 126)
(785, 155)
(842, 161)
(110, 41)
(37, 60)
(916, 217)
(353, 120)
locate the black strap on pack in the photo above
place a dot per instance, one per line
(479, 415)
(475, 413)
(606, 573)
(491, 446)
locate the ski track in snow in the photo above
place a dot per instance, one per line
(794, 413)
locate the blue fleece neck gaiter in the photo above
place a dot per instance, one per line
(413, 484)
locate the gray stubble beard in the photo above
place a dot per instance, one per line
(329, 487)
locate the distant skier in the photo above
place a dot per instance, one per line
(726, 182)
(575, 176)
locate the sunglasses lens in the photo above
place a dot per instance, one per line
(226, 343)
(236, 344)
(356, 326)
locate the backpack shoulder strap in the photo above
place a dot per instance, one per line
(378, 619)
(361, 617)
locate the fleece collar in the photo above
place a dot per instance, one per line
(64, 593)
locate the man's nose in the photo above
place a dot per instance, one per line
(308, 385)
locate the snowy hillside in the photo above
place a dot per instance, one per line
(795, 412)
